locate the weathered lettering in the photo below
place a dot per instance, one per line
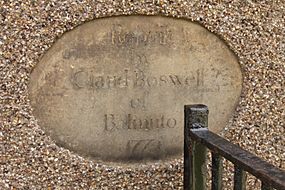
(114, 88)
(87, 78)
(122, 37)
(133, 122)
(137, 149)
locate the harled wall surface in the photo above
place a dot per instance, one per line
(30, 159)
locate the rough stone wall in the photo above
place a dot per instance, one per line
(29, 159)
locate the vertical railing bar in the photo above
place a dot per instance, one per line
(265, 186)
(195, 117)
(239, 178)
(217, 169)
(199, 166)
(187, 178)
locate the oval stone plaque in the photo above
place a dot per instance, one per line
(114, 88)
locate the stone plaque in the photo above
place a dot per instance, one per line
(114, 88)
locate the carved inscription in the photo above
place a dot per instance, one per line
(88, 79)
(137, 148)
(122, 37)
(132, 122)
(114, 88)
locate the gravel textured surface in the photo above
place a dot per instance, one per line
(29, 159)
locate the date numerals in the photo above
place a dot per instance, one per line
(138, 149)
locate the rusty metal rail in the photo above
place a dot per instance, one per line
(197, 139)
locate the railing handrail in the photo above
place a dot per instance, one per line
(197, 138)
(261, 169)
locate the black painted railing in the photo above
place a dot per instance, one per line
(197, 139)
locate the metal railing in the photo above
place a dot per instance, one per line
(197, 139)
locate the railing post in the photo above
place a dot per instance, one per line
(195, 118)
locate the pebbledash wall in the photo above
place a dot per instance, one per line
(29, 156)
